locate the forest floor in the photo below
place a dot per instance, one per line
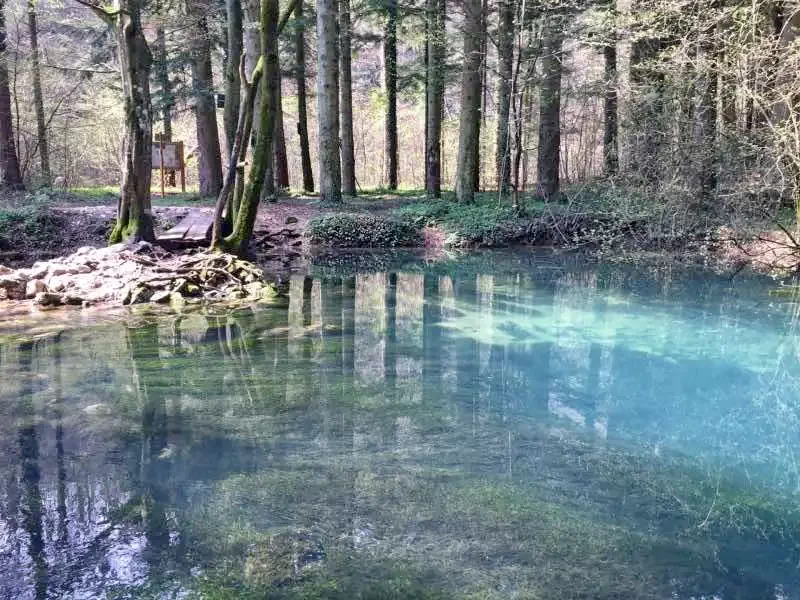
(45, 224)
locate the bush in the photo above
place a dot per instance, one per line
(347, 230)
(485, 222)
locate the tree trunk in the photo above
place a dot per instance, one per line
(434, 97)
(41, 128)
(233, 11)
(346, 92)
(11, 176)
(707, 121)
(167, 101)
(549, 158)
(390, 64)
(134, 217)
(239, 239)
(210, 158)
(300, 79)
(330, 177)
(281, 160)
(469, 123)
(610, 126)
(505, 57)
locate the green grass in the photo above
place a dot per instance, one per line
(108, 194)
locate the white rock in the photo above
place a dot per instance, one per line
(34, 287)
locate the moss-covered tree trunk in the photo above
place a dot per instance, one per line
(134, 215)
(239, 238)
(233, 12)
(469, 125)
(346, 96)
(610, 104)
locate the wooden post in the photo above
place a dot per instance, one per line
(179, 152)
(161, 156)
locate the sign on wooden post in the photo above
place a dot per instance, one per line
(168, 157)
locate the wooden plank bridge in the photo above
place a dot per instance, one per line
(193, 230)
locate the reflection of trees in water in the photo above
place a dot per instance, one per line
(32, 504)
(258, 393)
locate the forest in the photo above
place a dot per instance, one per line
(659, 121)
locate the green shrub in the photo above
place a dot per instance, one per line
(349, 230)
(485, 222)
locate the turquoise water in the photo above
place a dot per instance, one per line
(500, 427)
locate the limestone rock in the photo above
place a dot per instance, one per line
(13, 286)
(47, 299)
(34, 287)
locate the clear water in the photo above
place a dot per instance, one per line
(494, 428)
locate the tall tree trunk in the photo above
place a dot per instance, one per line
(468, 131)
(11, 175)
(281, 159)
(505, 58)
(610, 122)
(435, 96)
(233, 11)
(300, 80)
(707, 119)
(549, 158)
(346, 93)
(210, 158)
(239, 239)
(41, 128)
(476, 184)
(330, 176)
(390, 64)
(134, 216)
(162, 75)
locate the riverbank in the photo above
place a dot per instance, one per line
(292, 233)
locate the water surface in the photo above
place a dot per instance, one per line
(497, 428)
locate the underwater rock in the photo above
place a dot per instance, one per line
(283, 558)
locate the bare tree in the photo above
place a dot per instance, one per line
(346, 99)
(390, 79)
(434, 79)
(9, 163)
(38, 102)
(468, 132)
(300, 81)
(330, 177)
(233, 12)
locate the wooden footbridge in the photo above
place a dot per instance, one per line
(193, 230)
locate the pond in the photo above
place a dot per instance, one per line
(496, 426)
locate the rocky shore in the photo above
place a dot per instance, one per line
(125, 274)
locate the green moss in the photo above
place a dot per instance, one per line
(350, 230)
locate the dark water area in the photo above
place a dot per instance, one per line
(494, 427)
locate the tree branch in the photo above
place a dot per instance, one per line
(104, 13)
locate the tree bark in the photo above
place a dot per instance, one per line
(281, 160)
(610, 121)
(505, 56)
(330, 177)
(239, 238)
(41, 128)
(233, 11)
(346, 92)
(9, 163)
(470, 102)
(302, 112)
(549, 157)
(390, 64)
(435, 96)
(134, 215)
(210, 158)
